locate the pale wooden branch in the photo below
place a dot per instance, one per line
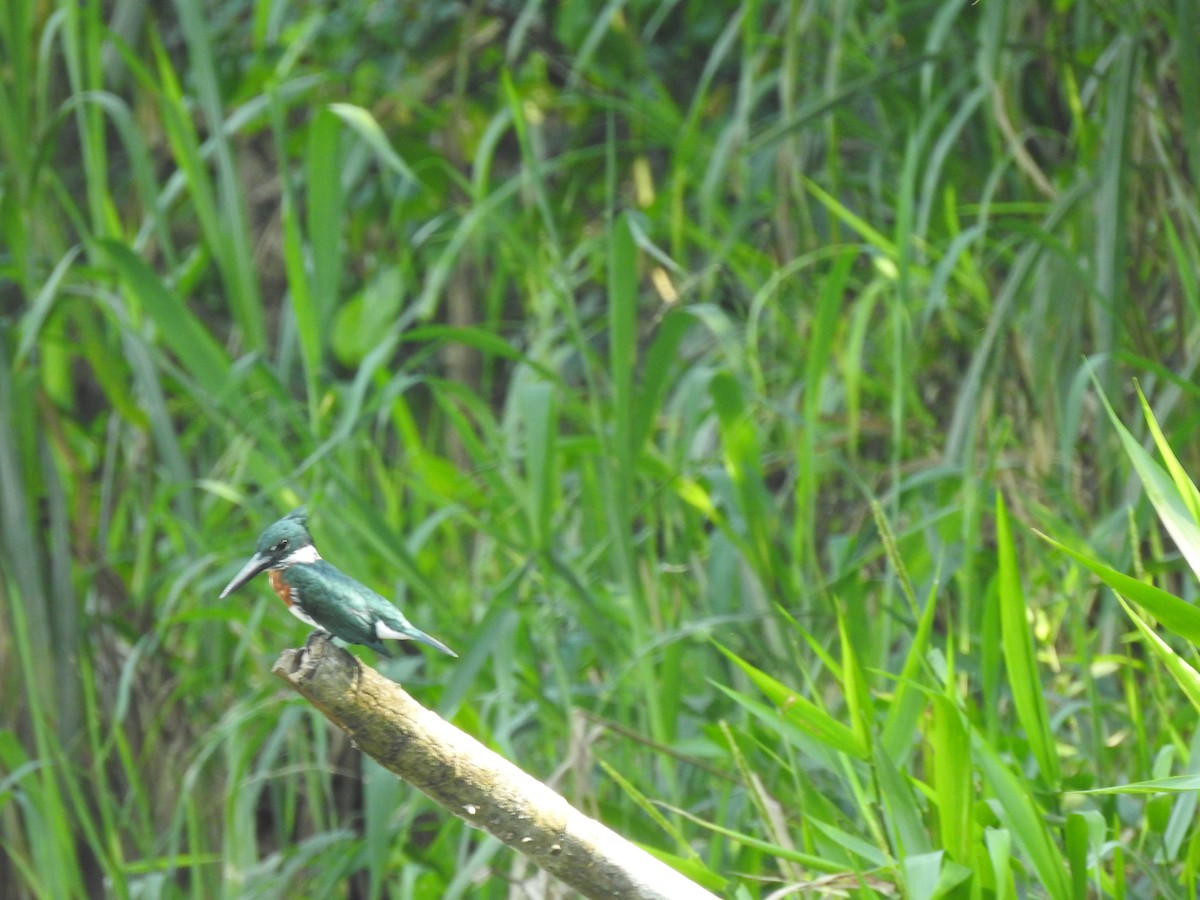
(474, 783)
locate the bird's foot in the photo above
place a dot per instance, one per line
(323, 637)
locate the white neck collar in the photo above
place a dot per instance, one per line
(302, 556)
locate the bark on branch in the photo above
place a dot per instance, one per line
(473, 782)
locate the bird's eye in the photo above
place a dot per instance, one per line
(282, 545)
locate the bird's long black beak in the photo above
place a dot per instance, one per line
(258, 563)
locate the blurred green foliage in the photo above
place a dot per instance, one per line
(668, 360)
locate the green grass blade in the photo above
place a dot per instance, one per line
(325, 213)
(1175, 784)
(743, 462)
(1019, 659)
(1027, 822)
(903, 715)
(1184, 486)
(1171, 505)
(1174, 614)
(1185, 676)
(364, 124)
(803, 712)
(231, 234)
(180, 330)
(950, 744)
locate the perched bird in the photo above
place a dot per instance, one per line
(320, 595)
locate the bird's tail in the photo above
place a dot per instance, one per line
(433, 642)
(405, 631)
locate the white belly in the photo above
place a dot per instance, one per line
(304, 617)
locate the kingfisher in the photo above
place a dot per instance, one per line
(322, 596)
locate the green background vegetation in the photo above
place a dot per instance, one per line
(668, 361)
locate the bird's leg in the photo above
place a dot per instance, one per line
(323, 636)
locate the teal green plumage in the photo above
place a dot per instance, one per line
(320, 595)
(347, 609)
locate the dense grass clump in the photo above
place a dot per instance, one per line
(702, 372)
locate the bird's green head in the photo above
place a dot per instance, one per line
(284, 543)
(285, 537)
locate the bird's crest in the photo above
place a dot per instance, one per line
(300, 514)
